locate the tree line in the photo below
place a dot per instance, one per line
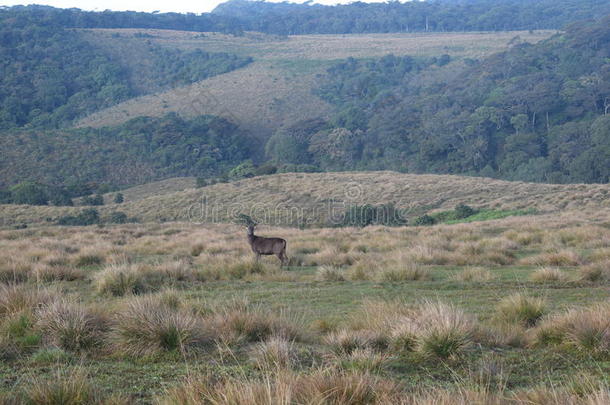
(236, 16)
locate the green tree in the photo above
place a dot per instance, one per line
(29, 192)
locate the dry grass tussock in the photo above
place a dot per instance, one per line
(70, 326)
(241, 322)
(150, 325)
(432, 328)
(548, 275)
(321, 387)
(359, 388)
(586, 329)
(521, 309)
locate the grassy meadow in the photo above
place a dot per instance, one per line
(515, 310)
(316, 199)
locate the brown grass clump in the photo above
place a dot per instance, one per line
(330, 273)
(241, 323)
(363, 360)
(89, 259)
(147, 326)
(17, 298)
(346, 341)
(14, 271)
(521, 309)
(275, 353)
(548, 275)
(65, 388)
(120, 279)
(443, 330)
(327, 387)
(586, 329)
(558, 259)
(474, 275)
(70, 326)
(432, 328)
(596, 272)
(47, 273)
(410, 272)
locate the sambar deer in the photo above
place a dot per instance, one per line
(267, 246)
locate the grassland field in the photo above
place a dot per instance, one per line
(515, 310)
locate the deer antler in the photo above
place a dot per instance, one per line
(244, 219)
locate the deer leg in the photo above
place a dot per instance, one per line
(257, 257)
(282, 257)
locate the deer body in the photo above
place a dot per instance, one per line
(267, 246)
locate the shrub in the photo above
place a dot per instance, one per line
(98, 199)
(147, 326)
(70, 326)
(424, 220)
(521, 309)
(243, 170)
(265, 169)
(118, 198)
(118, 217)
(463, 211)
(29, 192)
(89, 216)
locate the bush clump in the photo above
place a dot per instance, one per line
(89, 216)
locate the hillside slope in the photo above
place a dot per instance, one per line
(276, 90)
(318, 198)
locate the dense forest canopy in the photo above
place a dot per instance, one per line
(535, 112)
(141, 150)
(410, 16)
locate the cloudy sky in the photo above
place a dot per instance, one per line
(182, 6)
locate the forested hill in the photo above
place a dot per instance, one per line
(410, 16)
(534, 112)
(51, 75)
(237, 16)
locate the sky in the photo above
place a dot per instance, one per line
(180, 6)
